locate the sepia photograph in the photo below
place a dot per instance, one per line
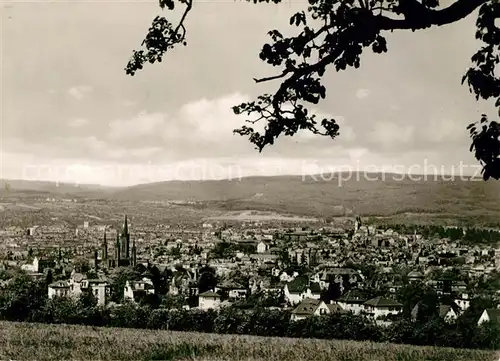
(250, 180)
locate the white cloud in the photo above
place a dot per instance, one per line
(362, 93)
(143, 124)
(445, 130)
(78, 92)
(196, 142)
(129, 103)
(213, 118)
(205, 127)
(388, 133)
(145, 152)
(357, 153)
(78, 122)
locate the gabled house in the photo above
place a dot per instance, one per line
(262, 247)
(309, 307)
(58, 289)
(101, 290)
(380, 306)
(77, 282)
(232, 290)
(136, 289)
(180, 284)
(352, 301)
(299, 289)
(336, 275)
(209, 300)
(335, 308)
(489, 315)
(448, 313)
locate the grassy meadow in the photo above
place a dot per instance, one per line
(24, 341)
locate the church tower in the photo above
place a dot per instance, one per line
(104, 255)
(96, 260)
(117, 251)
(134, 254)
(125, 240)
(357, 223)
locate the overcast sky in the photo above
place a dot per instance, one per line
(69, 111)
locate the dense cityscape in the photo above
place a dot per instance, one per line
(383, 277)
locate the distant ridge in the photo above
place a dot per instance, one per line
(24, 184)
(466, 199)
(19, 187)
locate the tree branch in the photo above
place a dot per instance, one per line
(302, 72)
(428, 17)
(269, 78)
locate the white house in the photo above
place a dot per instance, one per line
(285, 277)
(294, 293)
(489, 314)
(309, 307)
(100, 289)
(58, 289)
(380, 306)
(209, 300)
(31, 267)
(134, 288)
(447, 313)
(261, 247)
(233, 290)
(352, 302)
(326, 276)
(238, 293)
(77, 283)
(463, 302)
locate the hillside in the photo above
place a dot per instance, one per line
(20, 188)
(462, 200)
(24, 341)
(449, 202)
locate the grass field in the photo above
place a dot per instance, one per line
(23, 341)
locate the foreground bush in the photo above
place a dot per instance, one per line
(25, 301)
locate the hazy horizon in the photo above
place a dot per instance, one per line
(69, 109)
(346, 176)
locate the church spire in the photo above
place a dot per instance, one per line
(125, 226)
(134, 254)
(104, 247)
(117, 251)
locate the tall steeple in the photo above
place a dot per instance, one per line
(96, 261)
(117, 251)
(125, 240)
(125, 227)
(104, 247)
(134, 254)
